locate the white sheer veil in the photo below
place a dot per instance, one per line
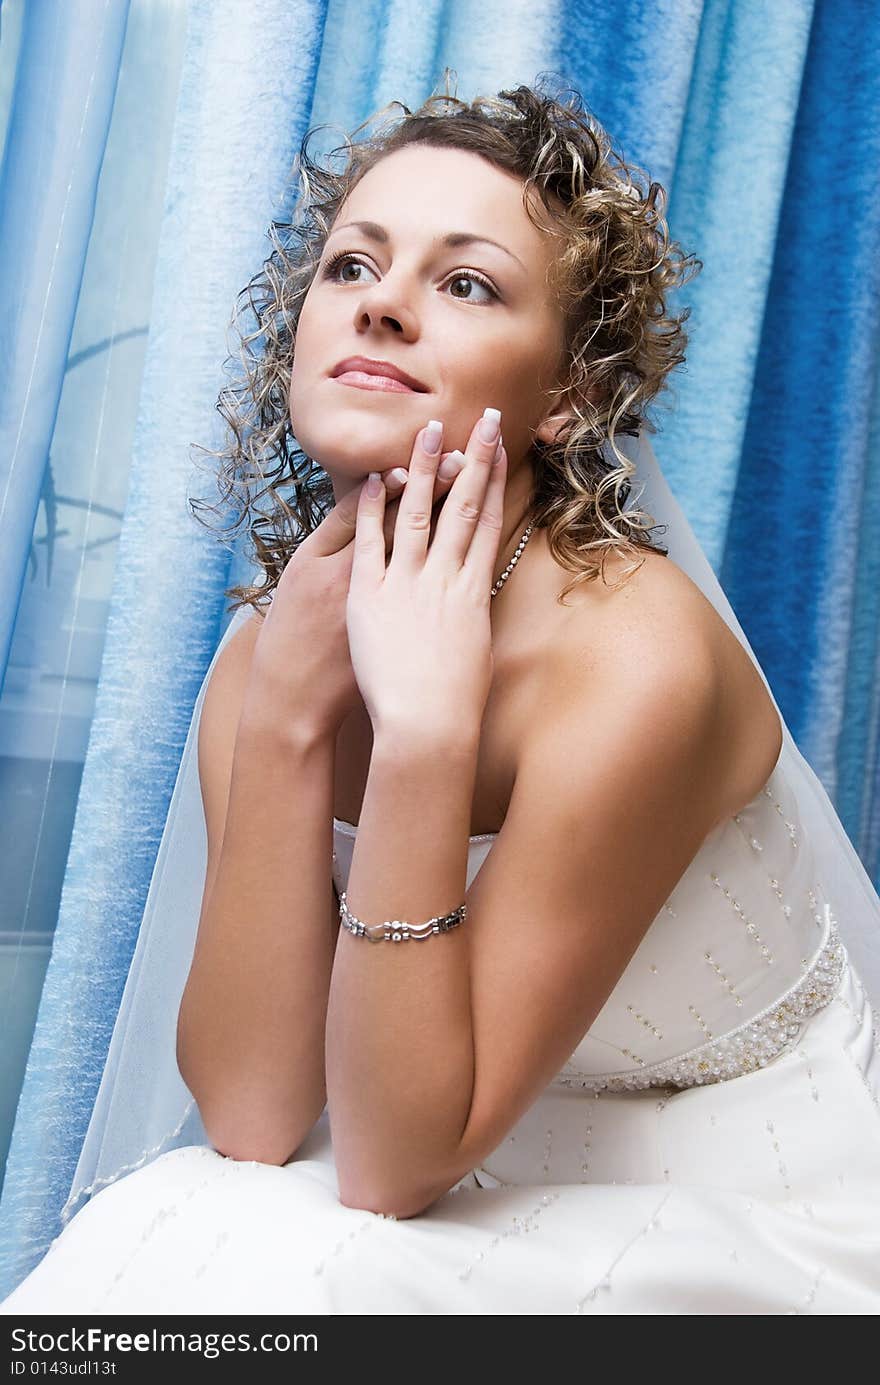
(143, 1108)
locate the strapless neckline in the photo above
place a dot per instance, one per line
(351, 831)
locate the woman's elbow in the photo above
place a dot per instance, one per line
(257, 1142)
(253, 1151)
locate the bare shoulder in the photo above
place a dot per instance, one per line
(218, 724)
(657, 630)
(224, 693)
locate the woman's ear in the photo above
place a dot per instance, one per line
(561, 412)
(548, 429)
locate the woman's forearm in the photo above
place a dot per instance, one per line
(399, 1051)
(250, 1042)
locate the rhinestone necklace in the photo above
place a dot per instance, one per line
(513, 562)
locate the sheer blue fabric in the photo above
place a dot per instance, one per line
(56, 136)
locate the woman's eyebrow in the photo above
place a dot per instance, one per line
(374, 231)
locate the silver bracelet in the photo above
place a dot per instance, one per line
(398, 930)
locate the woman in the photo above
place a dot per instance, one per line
(639, 1074)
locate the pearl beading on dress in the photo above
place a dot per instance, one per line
(520, 1224)
(220, 1168)
(652, 1224)
(642, 1019)
(775, 887)
(750, 927)
(750, 1046)
(808, 1301)
(725, 980)
(790, 827)
(771, 1128)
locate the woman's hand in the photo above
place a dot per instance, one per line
(302, 646)
(419, 630)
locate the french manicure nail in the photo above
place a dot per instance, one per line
(451, 465)
(397, 478)
(490, 425)
(432, 437)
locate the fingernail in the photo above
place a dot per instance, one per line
(432, 436)
(451, 465)
(490, 425)
(498, 455)
(374, 483)
(397, 478)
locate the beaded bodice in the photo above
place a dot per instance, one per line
(742, 952)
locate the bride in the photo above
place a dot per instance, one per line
(611, 1053)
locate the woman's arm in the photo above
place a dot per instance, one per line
(399, 1047)
(250, 1039)
(252, 1016)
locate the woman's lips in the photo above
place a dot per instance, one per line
(362, 380)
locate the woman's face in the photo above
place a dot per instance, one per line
(474, 322)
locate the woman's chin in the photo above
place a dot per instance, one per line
(356, 464)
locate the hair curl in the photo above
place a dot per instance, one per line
(615, 267)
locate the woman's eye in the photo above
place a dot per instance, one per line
(345, 260)
(472, 278)
(336, 265)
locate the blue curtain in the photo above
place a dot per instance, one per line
(124, 242)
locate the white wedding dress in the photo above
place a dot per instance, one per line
(711, 1147)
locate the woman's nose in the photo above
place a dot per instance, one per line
(386, 303)
(374, 317)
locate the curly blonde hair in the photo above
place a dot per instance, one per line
(615, 267)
